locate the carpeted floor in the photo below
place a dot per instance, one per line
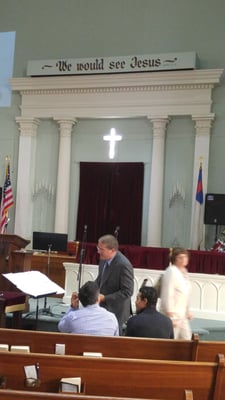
(209, 329)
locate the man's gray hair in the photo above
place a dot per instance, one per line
(109, 241)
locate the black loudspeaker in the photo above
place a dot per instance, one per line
(214, 209)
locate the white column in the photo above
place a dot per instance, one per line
(203, 126)
(156, 183)
(63, 178)
(25, 176)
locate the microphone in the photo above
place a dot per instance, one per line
(116, 232)
(144, 283)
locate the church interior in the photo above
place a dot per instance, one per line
(112, 122)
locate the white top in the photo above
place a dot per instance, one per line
(175, 292)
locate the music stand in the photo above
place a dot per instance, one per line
(34, 284)
(46, 310)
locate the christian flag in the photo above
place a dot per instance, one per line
(7, 199)
(197, 224)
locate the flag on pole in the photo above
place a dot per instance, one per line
(7, 198)
(197, 224)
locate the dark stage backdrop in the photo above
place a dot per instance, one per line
(110, 196)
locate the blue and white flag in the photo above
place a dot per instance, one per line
(197, 225)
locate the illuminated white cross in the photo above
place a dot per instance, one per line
(112, 139)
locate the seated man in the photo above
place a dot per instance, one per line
(148, 322)
(91, 319)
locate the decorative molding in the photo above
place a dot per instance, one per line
(103, 96)
(127, 89)
(43, 188)
(178, 194)
(195, 79)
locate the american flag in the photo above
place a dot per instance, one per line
(7, 199)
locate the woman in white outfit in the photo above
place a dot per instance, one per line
(175, 293)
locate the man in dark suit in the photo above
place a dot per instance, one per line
(115, 279)
(148, 322)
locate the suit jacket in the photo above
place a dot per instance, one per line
(150, 323)
(117, 285)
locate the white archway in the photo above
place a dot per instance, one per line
(157, 96)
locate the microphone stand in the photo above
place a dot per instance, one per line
(46, 310)
(216, 233)
(48, 271)
(82, 256)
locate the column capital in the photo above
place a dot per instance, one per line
(65, 125)
(28, 126)
(159, 125)
(203, 124)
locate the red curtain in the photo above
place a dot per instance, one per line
(110, 196)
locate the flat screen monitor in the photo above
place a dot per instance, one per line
(53, 241)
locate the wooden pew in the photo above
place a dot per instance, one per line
(207, 350)
(118, 377)
(21, 394)
(124, 347)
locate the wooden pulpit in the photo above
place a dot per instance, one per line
(8, 244)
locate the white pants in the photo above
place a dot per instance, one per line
(182, 329)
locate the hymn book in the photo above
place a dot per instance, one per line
(72, 385)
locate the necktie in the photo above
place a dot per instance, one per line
(104, 270)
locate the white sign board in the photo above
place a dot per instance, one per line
(110, 65)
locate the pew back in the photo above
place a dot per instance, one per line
(124, 347)
(21, 394)
(207, 350)
(120, 377)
